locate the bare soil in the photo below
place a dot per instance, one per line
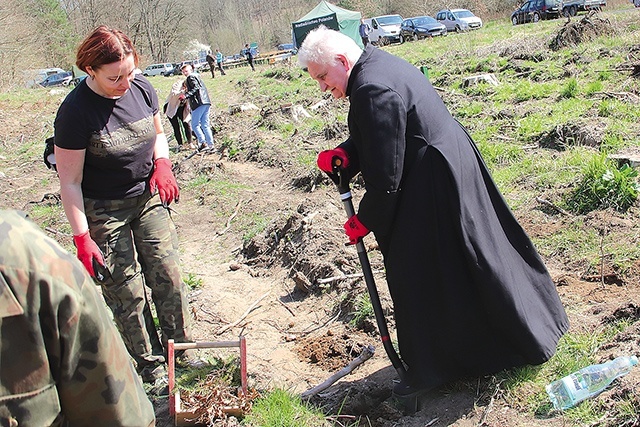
(300, 333)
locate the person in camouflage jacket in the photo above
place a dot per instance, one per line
(63, 362)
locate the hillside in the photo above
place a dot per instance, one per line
(261, 229)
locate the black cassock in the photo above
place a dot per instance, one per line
(471, 294)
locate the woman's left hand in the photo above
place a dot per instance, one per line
(164, 182)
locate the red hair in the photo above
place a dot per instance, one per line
(103, 46)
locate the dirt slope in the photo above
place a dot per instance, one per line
(298, 334)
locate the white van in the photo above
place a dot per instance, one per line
(384, 29)
(157, 69)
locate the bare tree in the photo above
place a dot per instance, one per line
(18, 30)
(160, 26)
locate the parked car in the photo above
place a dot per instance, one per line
(459, 20)
(77, 75)
(157, 69)
(535, 10)
(420, 27)
(572, 7)
(176, 71)
(33, 77)
(384, 29)
(58, 79)
(200, 65)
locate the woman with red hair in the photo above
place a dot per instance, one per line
(116, 185)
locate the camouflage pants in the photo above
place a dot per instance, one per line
(139, 240)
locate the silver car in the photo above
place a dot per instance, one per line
(459, 20)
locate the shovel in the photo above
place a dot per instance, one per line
(338, 177)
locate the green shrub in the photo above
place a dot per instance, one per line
(570, 89)
(193, 281)
(603, 186)
(363, 309)
(593, 87)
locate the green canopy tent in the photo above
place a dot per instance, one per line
(331, 16)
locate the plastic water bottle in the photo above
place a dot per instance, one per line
(588, 382)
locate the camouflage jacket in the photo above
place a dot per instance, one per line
(62, 361)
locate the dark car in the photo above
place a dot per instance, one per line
(535, 10)
(58, 79)
(421, 27)
(176, 71)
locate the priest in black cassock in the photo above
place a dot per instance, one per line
(471, 295)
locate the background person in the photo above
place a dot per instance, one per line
(212, 64)
(200, 104)
(249, 55)
(471, 295)
(364, 31)
(116, 185)
(178, 112)
(219, 61)
(63, 361)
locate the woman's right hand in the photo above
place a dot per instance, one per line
(88, 251)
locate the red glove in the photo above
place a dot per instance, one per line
(355, 229)
(163, 180)
(325, 159)
(88, 252)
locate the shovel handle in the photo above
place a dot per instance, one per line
(342, 183)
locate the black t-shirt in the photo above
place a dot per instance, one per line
(118, 134)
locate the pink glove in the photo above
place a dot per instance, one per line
(326, 159)
(355, 229)
(88, 251)
(163, 180)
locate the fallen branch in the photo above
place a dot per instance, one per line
(305, 333)
(342, 277)
(336, 418)
(287, 308)
(506, 138)
(366, 354)
(245, 314)
(551, 205)
(57, 233)
(228, 224)
(337, 278)
(489, 407)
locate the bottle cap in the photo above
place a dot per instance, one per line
(634, 360)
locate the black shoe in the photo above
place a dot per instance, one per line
(406, 394)
(409, 389)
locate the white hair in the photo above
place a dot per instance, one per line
(322, 45)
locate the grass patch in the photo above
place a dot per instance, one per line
(256, 223)
(193, 281)
(570, 88)
(363, 310)
(280, 408)
(525, 387)
(603, 185)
